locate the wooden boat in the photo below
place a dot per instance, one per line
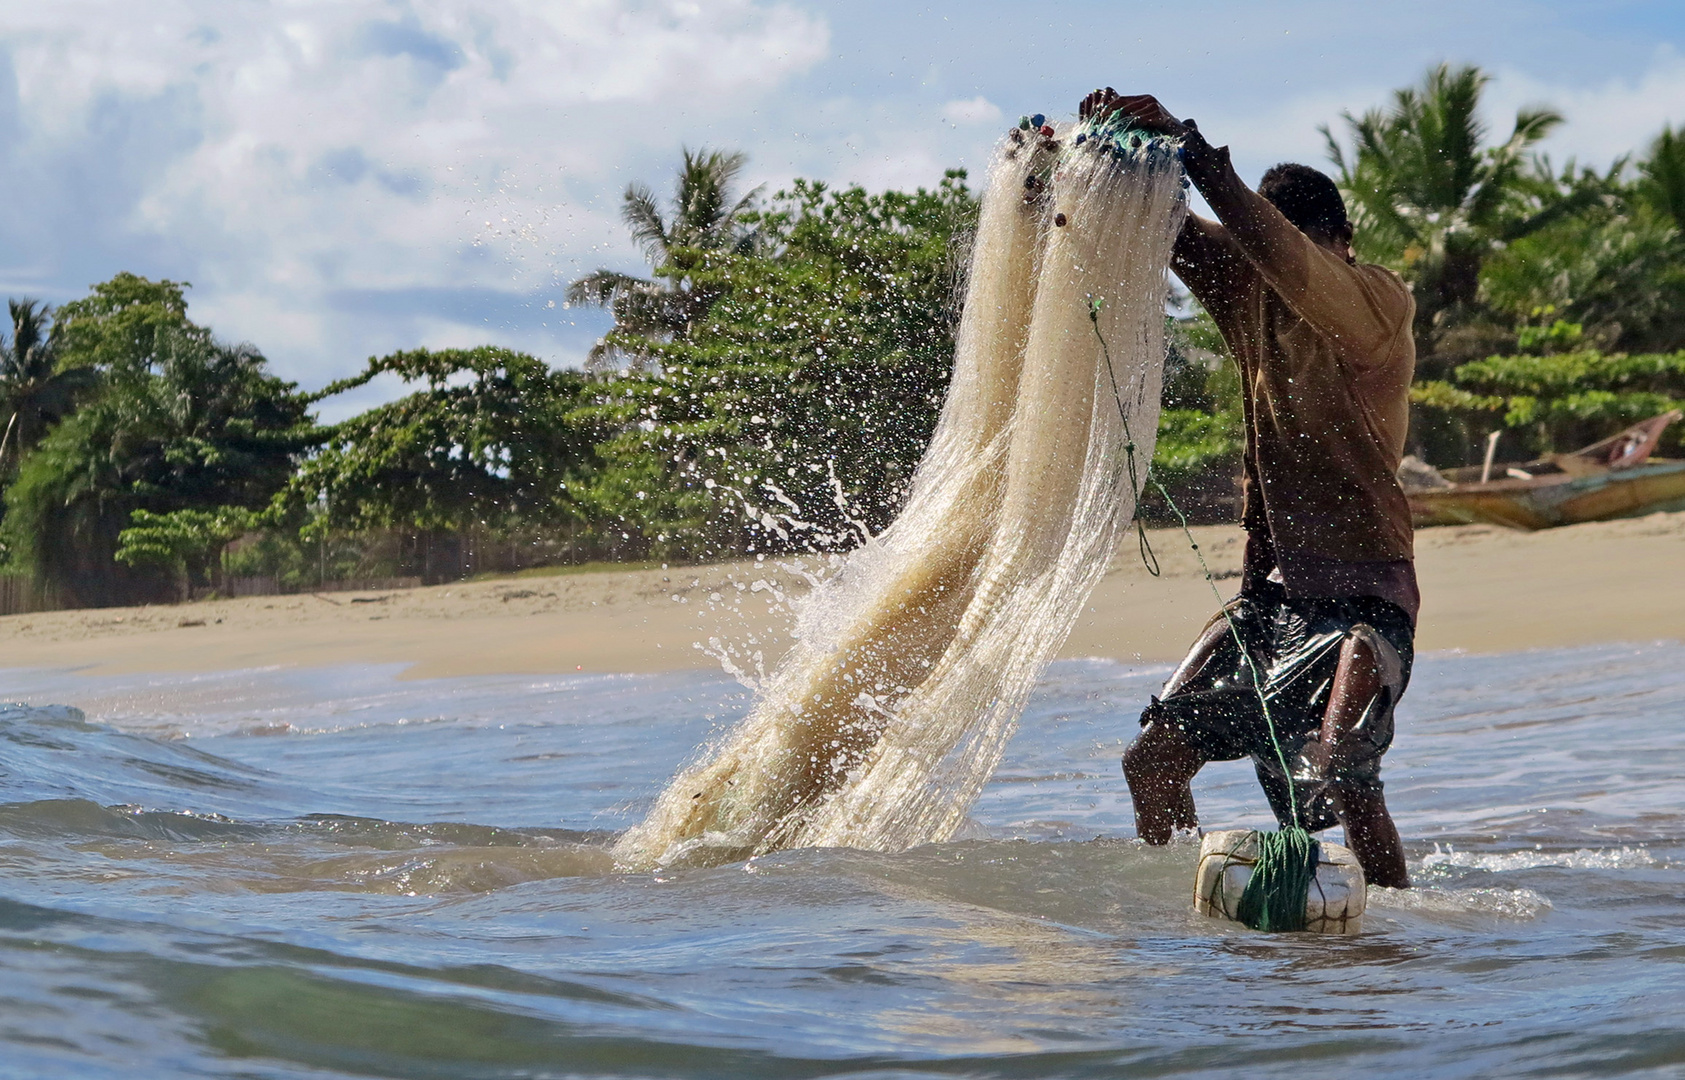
(1615, 478)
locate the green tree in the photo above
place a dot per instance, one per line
(1603, 281)
(35, 391)
(1559, 401)
(188, 544)
(488, 441)
(792, 413)
(1614, 269)
(179, 422)
(118, 325)
(1428, 199)
(704, 218)
(1662, 176)
(1201, 426)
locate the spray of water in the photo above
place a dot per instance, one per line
(913, 664)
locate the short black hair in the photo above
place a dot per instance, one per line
(1307, 198)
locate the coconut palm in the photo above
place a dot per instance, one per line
(1661, 181)
(34, 394)
(1428, 199)
(704, 218)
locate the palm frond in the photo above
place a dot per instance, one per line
(616, 352)
(651, 312)
(30, 352)
(1535, 123)
(1335, 152)
(1662, 175)
(601, 357)
(600, 289)
(643, 218)
(704, 216)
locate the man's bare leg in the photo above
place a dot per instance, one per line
(1369, 827)
(1373, 837)
(1160, 766)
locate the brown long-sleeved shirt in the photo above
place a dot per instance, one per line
(1326, 358)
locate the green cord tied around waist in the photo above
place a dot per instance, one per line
(1275, 896)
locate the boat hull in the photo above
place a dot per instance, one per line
(1548, 501)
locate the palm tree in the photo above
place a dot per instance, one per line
(704, 218)
(34, 394)
(1662, 176)
(1428, 199)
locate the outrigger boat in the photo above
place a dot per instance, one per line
(1615, 478)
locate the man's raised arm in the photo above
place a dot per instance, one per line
(1360, 307)
(1209, 263)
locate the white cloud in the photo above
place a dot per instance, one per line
(1604, 120)
(977, 110)
(283, 156)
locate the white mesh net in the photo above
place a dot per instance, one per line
(913, 664)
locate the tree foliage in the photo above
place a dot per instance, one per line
(185, 543)
(179, 422)
(487, 440)
(1558, 402)
(1428, 198)
(704, 218)
(794, 411)
(36, 391)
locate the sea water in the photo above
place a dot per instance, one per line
(337, 873)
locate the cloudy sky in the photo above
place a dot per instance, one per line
(341, 178)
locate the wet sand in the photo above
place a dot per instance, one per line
(1484, 590)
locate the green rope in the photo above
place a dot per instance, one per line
(1274, 898)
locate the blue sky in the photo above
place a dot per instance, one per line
(346, 178)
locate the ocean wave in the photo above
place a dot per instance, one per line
(1516, 904)
(1622, 858)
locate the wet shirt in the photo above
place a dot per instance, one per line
(1326, 358)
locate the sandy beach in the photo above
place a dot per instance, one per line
(1484, 589)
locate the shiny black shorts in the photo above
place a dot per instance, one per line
(1294, 648)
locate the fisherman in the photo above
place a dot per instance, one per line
(1327, 606)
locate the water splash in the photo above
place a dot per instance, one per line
(912, 665)
(1625, 857)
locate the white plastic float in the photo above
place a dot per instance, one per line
(1336, 898)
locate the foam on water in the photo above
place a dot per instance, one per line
(1621, 858)
(1496, 903)
(912, 665)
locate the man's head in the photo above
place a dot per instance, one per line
(1311, 202)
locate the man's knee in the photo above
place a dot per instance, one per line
(1358, 659)
(1137, 760)
(1212, 640)
(1368, 655)
(1159, 754)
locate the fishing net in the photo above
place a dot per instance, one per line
(913, 664)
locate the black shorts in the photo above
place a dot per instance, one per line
(1294, 645)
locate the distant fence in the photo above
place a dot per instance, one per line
(378, 559)
(19, 596)
(374, 559)
(269, 586)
